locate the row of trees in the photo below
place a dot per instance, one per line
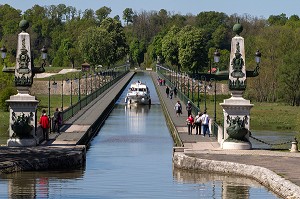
(184, 42)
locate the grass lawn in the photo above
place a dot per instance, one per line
(264, 116)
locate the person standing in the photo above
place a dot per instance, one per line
(57, 120)
(167, 91)
(189, 108)
(205, 123)
(44, 122)
(198, 123)
(178, 108)
(190, 123)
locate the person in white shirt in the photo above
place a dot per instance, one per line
(205, 123)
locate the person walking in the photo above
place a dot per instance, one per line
(167, 91)
(57, 120)
(175, 92)
(189, 108)
(198, 123)
(178, 108)
(190, 123)
(44, 122)
(171, 94)
(205, 123)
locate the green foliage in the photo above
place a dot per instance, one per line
(128, 15)
(192, 52)
(289, 78)
(102, 13)
(116, 31)
(170, 46)
(137, 50)
(5, 93)
(277, 19)
(95, 44)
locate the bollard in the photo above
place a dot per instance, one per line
(294, 148)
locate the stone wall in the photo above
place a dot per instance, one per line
(266, 177)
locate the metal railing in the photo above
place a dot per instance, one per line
(164, 74)
(72, 110)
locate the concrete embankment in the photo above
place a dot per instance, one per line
(67, 150)
(14, 159)
(266, 177)
(277, 171)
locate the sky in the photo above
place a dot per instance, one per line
(255, 8)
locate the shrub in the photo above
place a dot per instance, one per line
(4, 95)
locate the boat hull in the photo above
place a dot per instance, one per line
(138, 100)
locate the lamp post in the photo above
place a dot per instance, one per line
(85, 76)
(215, 96)
(62, 94)
(184, 84)
(71, 88)
(3, 54)
(257, 59)
(216, 59)
(54, 84)
(193, 90)
(91, 79)
(203, 78)
(198, 97)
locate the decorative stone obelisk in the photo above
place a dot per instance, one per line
(23, 106)
(236, 109)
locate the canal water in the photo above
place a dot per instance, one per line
(130, 158)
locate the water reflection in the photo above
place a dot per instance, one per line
(131, 157)
(36, 184)
(222, 186)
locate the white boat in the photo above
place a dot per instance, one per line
(138, 93)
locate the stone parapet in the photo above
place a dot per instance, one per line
(266, 177)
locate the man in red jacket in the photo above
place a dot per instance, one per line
(44, 122)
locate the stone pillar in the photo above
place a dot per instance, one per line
(22, 122)
(236, 109)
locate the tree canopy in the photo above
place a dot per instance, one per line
(183, 42)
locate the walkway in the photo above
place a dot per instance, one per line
(285, 164)
(63, 151)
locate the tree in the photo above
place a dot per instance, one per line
(170, 47)
(96, 44)
(128, 15)
(289, 78)
(277, 19)
(137, 50)
(156, 48)
(116, 32)
(102, 13)
(192, 49)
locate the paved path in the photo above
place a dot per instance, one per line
(61, 148)
(285, 164)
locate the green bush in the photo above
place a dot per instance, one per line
(4, 95)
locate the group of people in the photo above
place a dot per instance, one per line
(161, 82)
(45, 122)
(170, 92)
(200, 122)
